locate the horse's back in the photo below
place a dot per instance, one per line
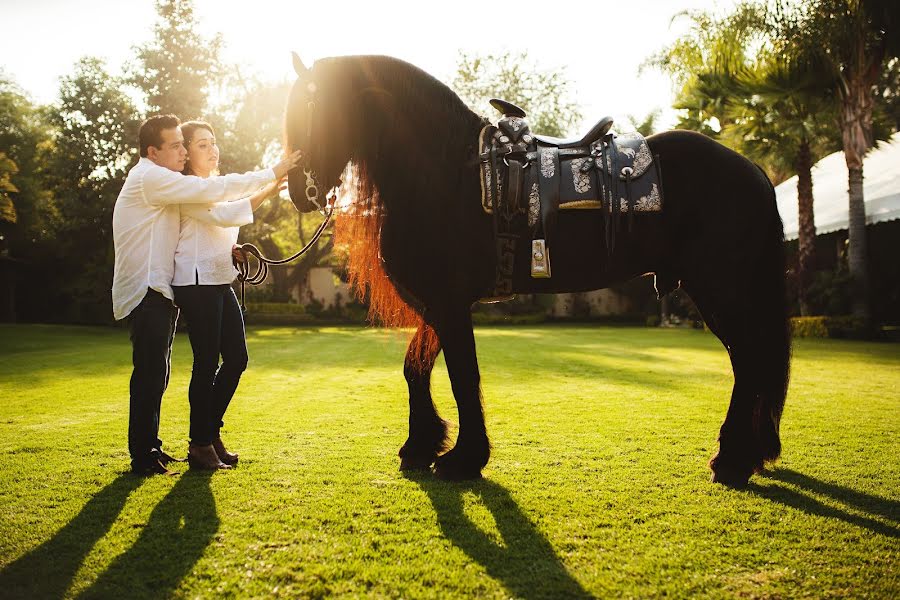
(698, 169)
(719, 210)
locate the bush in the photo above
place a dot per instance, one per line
(276, 313)
(829, 292)
(809, 327)
(275, 308)
(829, 327)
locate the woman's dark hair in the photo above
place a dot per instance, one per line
(150, 133)
(188, 129)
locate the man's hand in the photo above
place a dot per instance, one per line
(286, 164)
(237, 254)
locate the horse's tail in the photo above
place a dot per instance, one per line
(774, 330)
(357, 234)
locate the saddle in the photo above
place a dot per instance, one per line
(526, 179)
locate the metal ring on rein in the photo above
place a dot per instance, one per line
(262, 263)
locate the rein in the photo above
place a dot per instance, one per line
(262, 263)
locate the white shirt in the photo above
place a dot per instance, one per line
(146, 223)
(203, 254)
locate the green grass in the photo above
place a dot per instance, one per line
(598, 483)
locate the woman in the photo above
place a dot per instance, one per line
(202, 286)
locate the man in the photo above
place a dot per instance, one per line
(145, 232)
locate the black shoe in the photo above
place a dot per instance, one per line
(152, 468)
(165, 458)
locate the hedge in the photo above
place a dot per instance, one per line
(275, 308)
(829, 327)
(483, 318)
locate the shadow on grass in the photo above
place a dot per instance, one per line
(178, 531)
(47, 571)
(874, 506)
(525, 564)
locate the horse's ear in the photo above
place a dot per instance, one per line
(299, 67)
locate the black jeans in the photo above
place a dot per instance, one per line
(216, 327)
(152, 329)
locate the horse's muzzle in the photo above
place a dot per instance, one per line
(297, 191)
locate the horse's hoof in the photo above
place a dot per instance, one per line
(454, 466)
(733, 478)
(413, 463)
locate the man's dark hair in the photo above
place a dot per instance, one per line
(150, 133)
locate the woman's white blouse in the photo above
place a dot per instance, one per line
(203, 254)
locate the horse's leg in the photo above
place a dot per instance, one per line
(754, 331)
(427, 431)
(472, 449)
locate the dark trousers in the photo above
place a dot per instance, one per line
(216, 328)
(152, 329)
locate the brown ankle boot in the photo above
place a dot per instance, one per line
(205, 457)
(224, 455)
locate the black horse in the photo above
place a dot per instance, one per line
(422, 250)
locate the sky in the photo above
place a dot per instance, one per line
(599, 44)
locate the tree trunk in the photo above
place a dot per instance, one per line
(856, 131)
(807, 225)
(857, 255)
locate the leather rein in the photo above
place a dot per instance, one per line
(312, 196)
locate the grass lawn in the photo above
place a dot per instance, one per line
(598, 484)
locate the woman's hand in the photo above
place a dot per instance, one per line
(287, 163)
(270, 190)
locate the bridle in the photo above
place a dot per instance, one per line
(312, 196)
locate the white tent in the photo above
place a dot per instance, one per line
(881, 189)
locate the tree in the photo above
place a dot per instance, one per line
(24, 139)
(785, 118)
(855, 40)
(8, 169)
(178, 69)
(95, 146)
(26, 208)
(889, 88)
(704, 63)
(544, 94)
(648, 124)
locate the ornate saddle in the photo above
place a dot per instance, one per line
(526, 179)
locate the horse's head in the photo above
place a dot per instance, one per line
(315, 125)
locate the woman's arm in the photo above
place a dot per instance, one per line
(269, 191)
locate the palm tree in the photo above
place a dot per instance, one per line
(785, 119)
(853, 39)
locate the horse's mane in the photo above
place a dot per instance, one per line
(403, 100)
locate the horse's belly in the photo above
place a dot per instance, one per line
(579, 261)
